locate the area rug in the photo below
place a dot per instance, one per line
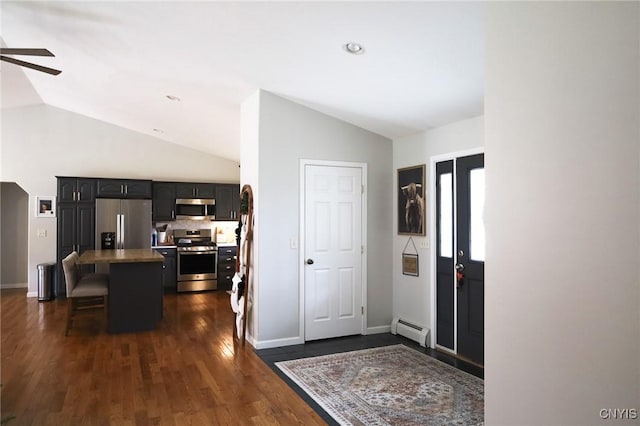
(391, 385)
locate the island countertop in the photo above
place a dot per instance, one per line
(120, 256)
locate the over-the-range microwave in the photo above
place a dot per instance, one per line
(196, 208)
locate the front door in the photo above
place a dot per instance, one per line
(332, 251)
(460, 254)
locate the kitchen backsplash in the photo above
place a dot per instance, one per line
(224, 231)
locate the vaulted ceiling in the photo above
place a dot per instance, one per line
(422, 66)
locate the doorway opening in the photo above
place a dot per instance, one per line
(14, 205)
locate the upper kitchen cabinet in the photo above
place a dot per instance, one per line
(195, 190)
(71, 189)
(164, 201)
(119, 188)
(227, 201)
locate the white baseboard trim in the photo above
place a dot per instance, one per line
(15, 285)
(289, 341)
(276, 343)
(378, 330)
(32, 294)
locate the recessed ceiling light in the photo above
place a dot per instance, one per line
(354, 48)
(173, 98)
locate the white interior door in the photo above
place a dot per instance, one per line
(333, 251)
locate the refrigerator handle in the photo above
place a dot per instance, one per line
(118, 232)
(122, 236)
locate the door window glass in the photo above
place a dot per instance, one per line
(446, 215)
(476, 232)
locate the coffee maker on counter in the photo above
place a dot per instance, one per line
(108, 240)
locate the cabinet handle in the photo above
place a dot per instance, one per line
(164, 253)
(126, 189)
(79, 195)
(173, 214)
(122, 189)
(74, 195)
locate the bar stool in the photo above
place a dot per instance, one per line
(86, 292)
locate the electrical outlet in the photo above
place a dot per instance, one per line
(42, 232)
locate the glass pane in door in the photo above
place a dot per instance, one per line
(446, 215)
(476, 229)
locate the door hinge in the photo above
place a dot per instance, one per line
(361, 249)
(362, 310)
(362, 189)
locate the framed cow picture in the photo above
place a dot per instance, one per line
(411, 201)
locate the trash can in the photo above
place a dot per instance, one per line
(45, 281)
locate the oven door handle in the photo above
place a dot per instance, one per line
(191, 253)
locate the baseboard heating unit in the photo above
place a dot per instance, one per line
(409, 330)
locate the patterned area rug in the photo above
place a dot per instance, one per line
(391, 385)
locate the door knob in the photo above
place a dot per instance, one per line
(459, 267)
(309, 261)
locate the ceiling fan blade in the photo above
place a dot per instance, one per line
(30, 65)
(31, 52)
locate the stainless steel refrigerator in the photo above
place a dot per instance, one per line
(128, 221)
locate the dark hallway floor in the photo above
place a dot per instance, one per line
(345, 344)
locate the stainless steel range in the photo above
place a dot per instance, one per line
(197, 260)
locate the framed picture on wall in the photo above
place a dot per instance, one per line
(410, 264)
(411, 200)
(45, 206)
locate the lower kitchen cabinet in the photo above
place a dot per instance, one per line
(226, 266)
(169, 269)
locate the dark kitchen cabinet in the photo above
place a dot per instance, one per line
(76, 189)
(226, 266)
(75, 223)
(169, 269)
(120, 188)
(227, 201)
(195, 190)
(164, 201)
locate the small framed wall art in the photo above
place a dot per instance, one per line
(410, 264)
(410, 260)
(45, 206)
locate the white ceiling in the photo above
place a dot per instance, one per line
(422, 68)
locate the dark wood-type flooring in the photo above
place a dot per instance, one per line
(189, 371)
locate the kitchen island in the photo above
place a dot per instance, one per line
(135, 287)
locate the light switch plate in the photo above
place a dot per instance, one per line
(424, 243)
(42, 232)
(293, 243)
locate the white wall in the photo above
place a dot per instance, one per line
(563, 171)
(412, 295)
(41, 142)
(249, 175)
(289, 132)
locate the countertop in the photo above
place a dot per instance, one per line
(165, 245)
(120, 256)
